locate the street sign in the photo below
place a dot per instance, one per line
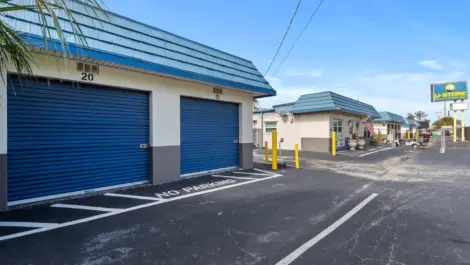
(449, 91)
(459, 106)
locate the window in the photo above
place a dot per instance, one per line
(270, 126)
(366, 133)
(337, 126)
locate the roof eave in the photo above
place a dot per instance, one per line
(77, 50)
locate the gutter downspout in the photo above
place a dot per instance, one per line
(262, 129)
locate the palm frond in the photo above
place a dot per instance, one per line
(50, 13)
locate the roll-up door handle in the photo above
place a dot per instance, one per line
(144, 146)
(235, 141)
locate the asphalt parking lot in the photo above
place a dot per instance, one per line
(37, 219)
(404, 208)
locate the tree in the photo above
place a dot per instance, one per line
(420, 115)
(410, 116)
(256, 104)
(14, 50)
(446, 121)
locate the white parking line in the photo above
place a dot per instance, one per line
(301, 250)
(29, 224)
(380, 150)
(133, 197)
(83, 207)
(104, 215)
(267, 172)
(249, 173)
(232, 177)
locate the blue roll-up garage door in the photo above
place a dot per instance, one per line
(209, 135)
(66, 137)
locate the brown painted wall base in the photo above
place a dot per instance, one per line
(3, 183)
(164, 164)
(315, 144)
(246, 155)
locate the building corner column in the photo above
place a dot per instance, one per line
(245, 143)
(165, 161)
(3, 142)
(3, 183)
(164, 164)
(246, 155)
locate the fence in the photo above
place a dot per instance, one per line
(258, 138)
(467, 133)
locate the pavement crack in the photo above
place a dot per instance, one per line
(256, 258)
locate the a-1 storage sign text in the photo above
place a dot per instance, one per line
(449, 91)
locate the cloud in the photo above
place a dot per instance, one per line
(309, 73)
(433, 64)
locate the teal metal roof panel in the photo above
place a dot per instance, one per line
(131, 39)
(264, 111)
(329, 101)
(284, 105)
(284, 108)
(386, 116)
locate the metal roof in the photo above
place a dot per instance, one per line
(264, 111)
(284, 104)
(123, 41)
(409, 123)
(386, 116)
(330, 101)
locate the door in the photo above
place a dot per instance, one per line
(209, 135)
(338, 128)
(65, 138)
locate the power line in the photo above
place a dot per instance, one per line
(300, 35)
(285, 35)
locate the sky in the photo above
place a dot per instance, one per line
(382, 52)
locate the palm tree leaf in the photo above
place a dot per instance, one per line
(15, 8)
(15, 51)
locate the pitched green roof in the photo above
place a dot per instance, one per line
(413, 123)
(386, 116)
(329, 101)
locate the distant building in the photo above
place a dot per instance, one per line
(310, 120)
(410, 126)
(387, 122)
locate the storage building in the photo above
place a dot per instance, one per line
(136, 105)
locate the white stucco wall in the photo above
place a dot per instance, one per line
(294, 127)
(312, 125)
(345, 119)
(382, 127)
(315, 125)
(164, 98)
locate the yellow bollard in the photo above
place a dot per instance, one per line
(266, 153)
(333, 143)
(463, 126)
(297, 163)
(455, 126)
(274, 144)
